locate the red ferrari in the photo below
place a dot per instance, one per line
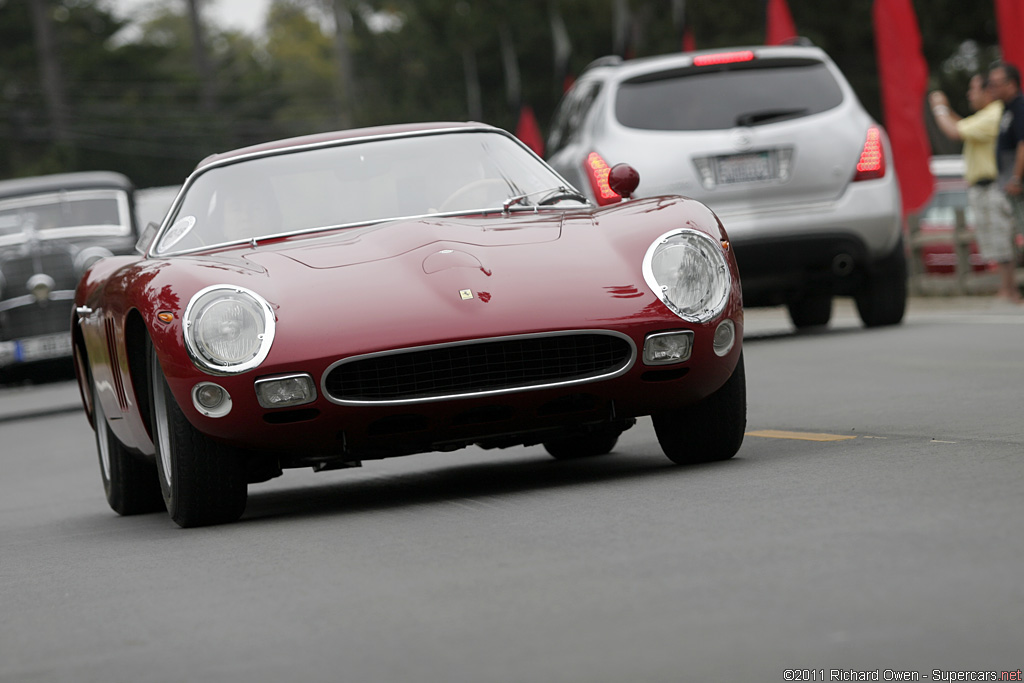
(325, 300)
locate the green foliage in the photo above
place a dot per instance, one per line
(135, 99)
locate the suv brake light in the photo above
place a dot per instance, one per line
(597, 170)
(724, 58)
(872, 158)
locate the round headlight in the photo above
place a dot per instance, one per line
(228, 329)
(85, 259)
(687, 270)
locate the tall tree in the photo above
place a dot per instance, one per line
(201, 58)
(49, 63)
(346, 74)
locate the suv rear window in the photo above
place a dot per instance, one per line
(703, 99)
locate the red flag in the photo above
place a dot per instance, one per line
(1010, 22)
(689, 42)
(904, 80)
(780, 26)
(528, 131)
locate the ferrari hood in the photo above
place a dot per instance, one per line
(411, 283)
(388, 240)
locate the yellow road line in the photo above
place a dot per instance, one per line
(802, 436)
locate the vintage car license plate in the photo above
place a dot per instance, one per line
(745, 168)
(43, 347)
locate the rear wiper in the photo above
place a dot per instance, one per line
(755, 117)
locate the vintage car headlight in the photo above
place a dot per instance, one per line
(85, 259)
(40, 286)
(687, 270)
(228, 329)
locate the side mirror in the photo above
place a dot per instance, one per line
(623, 179)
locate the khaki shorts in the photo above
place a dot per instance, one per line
(994, 219)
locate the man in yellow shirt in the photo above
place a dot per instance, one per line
(993, 215)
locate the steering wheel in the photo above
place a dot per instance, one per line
(478, 188)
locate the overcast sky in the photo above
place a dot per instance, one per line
(245, 15)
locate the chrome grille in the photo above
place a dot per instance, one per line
(57, 264)
(33, 320)
(483, 366)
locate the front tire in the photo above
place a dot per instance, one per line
(129, 481)
(709, 431)
(203, 482)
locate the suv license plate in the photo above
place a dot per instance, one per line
(44, 347)
(745, 168)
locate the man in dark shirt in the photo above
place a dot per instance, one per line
(1004, 83)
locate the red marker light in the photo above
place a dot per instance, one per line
(871, 164)
(597, 170)
(724, 58)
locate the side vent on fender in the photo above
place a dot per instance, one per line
(115, 363)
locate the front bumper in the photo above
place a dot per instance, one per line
(326, 429)
(32, 349)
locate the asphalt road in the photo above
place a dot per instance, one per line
(870, 523)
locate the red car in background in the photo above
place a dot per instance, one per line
(351, 296)
(939, 218)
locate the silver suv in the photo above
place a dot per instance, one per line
(775, 141)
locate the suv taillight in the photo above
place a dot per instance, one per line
(597, 169)
(872, 158)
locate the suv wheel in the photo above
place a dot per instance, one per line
(811, 310)
(882, 299)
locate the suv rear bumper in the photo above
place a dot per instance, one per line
(784, 251)
(870, 210)
(774, 270)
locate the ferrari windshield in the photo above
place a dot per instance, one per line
(359, 182)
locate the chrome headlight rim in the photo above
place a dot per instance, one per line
(212, 366)
(714, 249)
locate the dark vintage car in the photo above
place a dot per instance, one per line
(52, 228)
(327, 300)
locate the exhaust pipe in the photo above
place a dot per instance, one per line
(842, 264)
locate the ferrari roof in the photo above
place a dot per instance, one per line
(332, 136)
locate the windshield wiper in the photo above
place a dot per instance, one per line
(559, 194)
(550, 197)
(755, 117)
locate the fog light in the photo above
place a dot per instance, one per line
(285, 391)
(212, 400)
(668, 347)
(40, 285)
(725, 337)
